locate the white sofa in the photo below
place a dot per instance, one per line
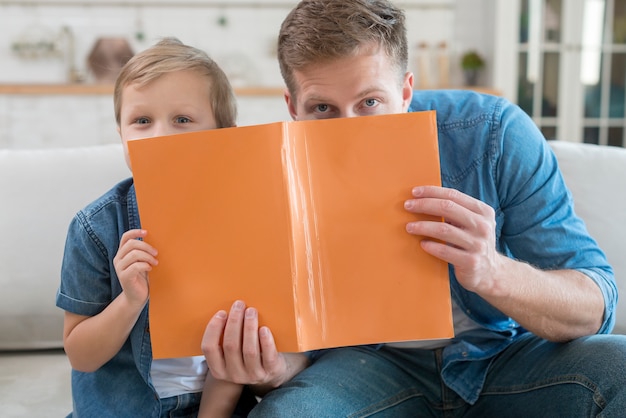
(40, 191)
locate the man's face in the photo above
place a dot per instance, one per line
(362, 85)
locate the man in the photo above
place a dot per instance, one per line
(532, 292)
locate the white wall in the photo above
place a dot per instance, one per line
(239, 34)
(243, 45)
(474, 29)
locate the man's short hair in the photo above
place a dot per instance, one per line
(317, 31)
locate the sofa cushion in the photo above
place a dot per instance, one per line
(596, 176)
(40, 191)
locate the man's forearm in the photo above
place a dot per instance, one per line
(557, 305)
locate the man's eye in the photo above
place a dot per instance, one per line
(142, 121)
(371, 102)
(322, 108)
(182, 119)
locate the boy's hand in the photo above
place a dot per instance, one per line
(133, 261)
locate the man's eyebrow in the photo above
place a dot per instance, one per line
(316, 98)
(370, 90)
(365, 92)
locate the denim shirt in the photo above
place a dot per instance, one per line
(491, 150)
(122, 386)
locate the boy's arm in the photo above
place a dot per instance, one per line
(91, 341)
(219, 398)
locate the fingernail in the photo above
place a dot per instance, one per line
(220, 315)
(238, 305)
(416, 191)
(250, 313)
(408, 204)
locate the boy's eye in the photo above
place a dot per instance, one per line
(371, 102)
(182, 119)
(142, 121)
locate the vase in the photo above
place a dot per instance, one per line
(471, 77)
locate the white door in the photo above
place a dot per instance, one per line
(564, 63)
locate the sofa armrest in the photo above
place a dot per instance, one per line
(596, 176)
(40, 191)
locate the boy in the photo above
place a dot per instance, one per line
(169, 88)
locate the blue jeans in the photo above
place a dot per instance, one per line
(531, 378)
(187, 405)
(181, 406)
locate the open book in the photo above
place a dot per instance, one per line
(303, 220)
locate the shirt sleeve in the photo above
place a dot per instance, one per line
(86, 286)
(539, 224)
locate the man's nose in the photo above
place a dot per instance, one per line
(347, 113)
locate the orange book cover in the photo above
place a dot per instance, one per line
(303, 220)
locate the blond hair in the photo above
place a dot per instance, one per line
(317, 31)
(170, 55)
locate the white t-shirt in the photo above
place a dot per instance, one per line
(462, 323)
(176, 376)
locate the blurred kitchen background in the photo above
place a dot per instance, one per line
(563, 61)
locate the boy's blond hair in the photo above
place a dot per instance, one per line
(169, 55)
(319, 31)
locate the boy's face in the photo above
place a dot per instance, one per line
(361, 85)
(173, 103)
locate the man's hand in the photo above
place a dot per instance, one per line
(466, 239)
(238, 351)
(558, 305)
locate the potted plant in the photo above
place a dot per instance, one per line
(471, 63)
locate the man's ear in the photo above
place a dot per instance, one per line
(291, 105)
(407, 90)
